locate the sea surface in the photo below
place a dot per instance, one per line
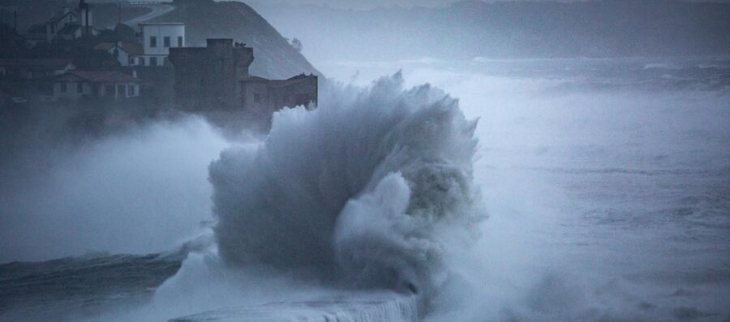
(607, 183)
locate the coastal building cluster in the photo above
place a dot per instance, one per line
(67, 59)
(218, 75)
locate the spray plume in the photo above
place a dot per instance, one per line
(368, 190)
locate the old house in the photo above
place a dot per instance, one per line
(100, 84)
(157, 39)
(126, 53)
(217, 76)
(67, 24)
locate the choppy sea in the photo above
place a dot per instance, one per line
(607, 183)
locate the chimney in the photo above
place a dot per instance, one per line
(84, 11)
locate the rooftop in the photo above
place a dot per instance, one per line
(161, 23)
(133, 48)
(292, 80)
(105, 46)
(101, 76)
(60, 15)
(279, 82)
(129, 47)
(35, 62)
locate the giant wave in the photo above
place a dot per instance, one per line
(367, 191)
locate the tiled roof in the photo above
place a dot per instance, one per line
(55, 63)
(129, 47)
(102, 76)
(105, 46)
(60, 15)
(133, 48)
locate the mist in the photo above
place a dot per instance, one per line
(404, 161)
(553, 246)
(140, 191)
(465, 30)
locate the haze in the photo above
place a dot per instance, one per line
(380, 161)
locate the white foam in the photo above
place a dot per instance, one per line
(361, 308)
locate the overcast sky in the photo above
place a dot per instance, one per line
(369, 4)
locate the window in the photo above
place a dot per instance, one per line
(121, 89)
(153, 61)
(153, 42)
(130, 90)
(167, 41)
(141, 61)
(131, 61)
(179, 41)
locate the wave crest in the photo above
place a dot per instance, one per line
(366, 189)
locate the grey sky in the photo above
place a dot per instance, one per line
(364, 4)
(369, 4)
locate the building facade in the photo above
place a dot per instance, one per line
(126, 53)
(157, 39)
(217, 77)
(99, 84)
(208, 75)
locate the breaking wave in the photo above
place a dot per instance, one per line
(367, 191)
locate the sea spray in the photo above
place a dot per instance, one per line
(362, 190)
(361, 307)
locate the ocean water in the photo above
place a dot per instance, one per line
(606, 184)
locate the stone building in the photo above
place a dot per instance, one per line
(157, 39)
(217, 77)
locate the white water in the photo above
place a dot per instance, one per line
(604, 205)
(355, 308)
(368, 204)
